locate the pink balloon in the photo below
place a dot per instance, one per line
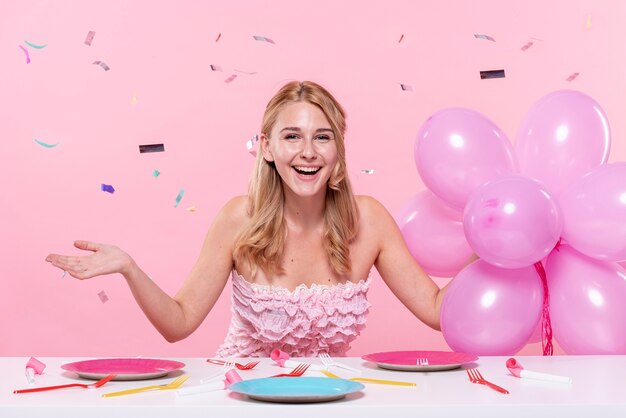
(434, 234)
(512, 221)
(587, 303)
(490, 311)
(457, 150)
(594, 213)
(563, 136)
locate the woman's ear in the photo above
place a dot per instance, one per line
(265, 148)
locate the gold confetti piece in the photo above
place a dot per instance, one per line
(481, 36)
(525, 47)
(588, 24)
(251, 143)
(368, 171)
(191, 209)
(216, 68)
(572, 77)
(103, 297)
(133, 100)
(89, 38)
(264, 39)
(231, 78)
(406, 87)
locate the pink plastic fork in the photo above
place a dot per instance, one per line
(247, 366)
(71, 385)
(298, 371)
(476, 377)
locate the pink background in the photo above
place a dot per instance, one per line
(160, 89)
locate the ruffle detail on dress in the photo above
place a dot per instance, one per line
(303, 322)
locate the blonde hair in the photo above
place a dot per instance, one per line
(261, 243)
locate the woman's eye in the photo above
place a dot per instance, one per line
(291, 137)
(322, 138)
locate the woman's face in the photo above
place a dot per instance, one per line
(303, 149)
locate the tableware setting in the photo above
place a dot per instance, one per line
(370, 380)
(247, 366)
(174, 384)
(476, 377)
(94, 385)
(124, 368)
(517, 370)
(420, 361)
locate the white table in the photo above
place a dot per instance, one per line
(598, 390)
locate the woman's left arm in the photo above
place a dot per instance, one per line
(404, 276)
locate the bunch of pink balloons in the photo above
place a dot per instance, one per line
(552, 200)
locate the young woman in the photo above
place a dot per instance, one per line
(298, 249)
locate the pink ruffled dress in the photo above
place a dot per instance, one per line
(302, 323)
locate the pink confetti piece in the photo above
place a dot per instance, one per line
(401, 38)
(191, 209)
(251, 143)
(481, 36)
(218, 37)
(231, 78)
(216, 68)
(528, 45)
(103, 297)
(406, 87)
(26, 52)
(572, 77)
(264, 39)
(89, 38)
(102, 64)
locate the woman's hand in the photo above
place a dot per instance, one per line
(106, 259)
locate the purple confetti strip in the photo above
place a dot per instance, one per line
(481, 36)
(107, 188)
(26, 52)
(102, 64)
(103, 296)
(89, 38)
(406, 87)
(401, 38)
(216, 68)
(263, 39)
(218, 37)
(525, 47)
(492, 74)
(231, 78)
(572, 77)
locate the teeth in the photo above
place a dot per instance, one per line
(307, 169)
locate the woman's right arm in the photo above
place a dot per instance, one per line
(174, 317)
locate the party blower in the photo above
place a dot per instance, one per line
(230, 377)
(518, 371)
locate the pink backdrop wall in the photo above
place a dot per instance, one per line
(160, 89)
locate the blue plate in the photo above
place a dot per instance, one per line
(296, 389)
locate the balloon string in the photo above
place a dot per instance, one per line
(546, 326)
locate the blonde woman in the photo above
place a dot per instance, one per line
(298, 249)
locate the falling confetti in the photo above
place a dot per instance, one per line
(406, 87)
(572, 77)
(133, 100)
(26, 52)
(43, 144)
(89, 38)
(156, 173)
(492, 74)
(151, 148)
(251, 143)
(528, 45)
(588, 24)
(107, 188)
(179, 197)
(216, 68)
(103, 297)
(64, 274)
(103, 65)
(481, 36)
(231, 78)
(191, 209)
(32, 45)
(244, 72)
(218, 37)
(264, 39)
(368, 171)
(401, 38)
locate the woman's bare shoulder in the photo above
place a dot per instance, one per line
(234, 212)
(372, 213)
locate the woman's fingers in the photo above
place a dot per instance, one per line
(86, 245)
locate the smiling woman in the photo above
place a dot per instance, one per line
(298, 249)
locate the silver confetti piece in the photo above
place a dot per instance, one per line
(368, 171)
(250, 144)
(525, 47)
(103, 296)
(89, 38)
(572, 77)
(406, 87)
(103, 65)
(216, 68)
(264, 39)
(481, 36)
(231, 78)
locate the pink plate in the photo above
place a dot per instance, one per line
(125, 368)
(407, 360)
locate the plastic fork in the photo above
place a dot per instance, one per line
(239, 366)
(174, 384)
(367, 380)
(328, 361)
(298, 371)
(476, 377)
(226, 367)
(422, 361)
(71, 385)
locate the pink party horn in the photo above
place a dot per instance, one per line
(282, 359)
(230, 377)
(517, 370)
(33, 367)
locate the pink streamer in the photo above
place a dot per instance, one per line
(26, 52)
(546, 326)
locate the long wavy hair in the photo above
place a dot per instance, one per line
(261, 243)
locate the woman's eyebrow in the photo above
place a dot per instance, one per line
(295, 128)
